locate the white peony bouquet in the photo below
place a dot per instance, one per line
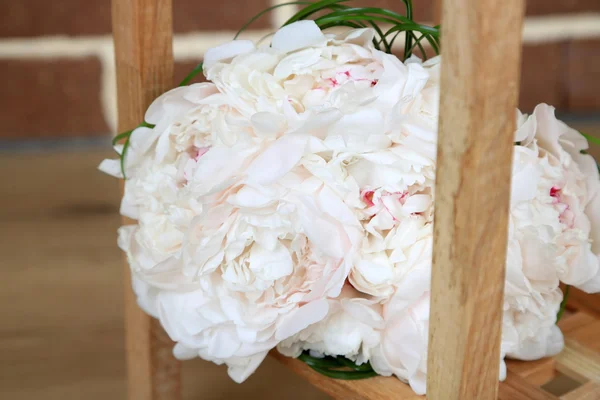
(289, 204)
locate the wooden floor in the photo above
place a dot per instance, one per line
(61, 336)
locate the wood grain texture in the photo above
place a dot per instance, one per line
(479, 84)
(588, 391)
(578, 361)
(518, 388)
(378, 388)
(142, 32)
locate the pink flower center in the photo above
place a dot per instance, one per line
(197, 152)
(566, 216)
(367, 197)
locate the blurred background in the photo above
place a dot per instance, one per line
(61, 335)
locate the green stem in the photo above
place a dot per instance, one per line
(563, 304)
(408, 39)
(197, 69)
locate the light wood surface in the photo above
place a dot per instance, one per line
(144, 60)
(377, 388)
(479, 90)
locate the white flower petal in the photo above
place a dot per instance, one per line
(297, 36)
(226, 52)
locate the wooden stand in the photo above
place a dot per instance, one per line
(142, 32)
(480, 79)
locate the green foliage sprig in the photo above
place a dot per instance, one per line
(338, 367)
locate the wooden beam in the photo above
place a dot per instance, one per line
(481, 47)
(377, 388)
(142, 32)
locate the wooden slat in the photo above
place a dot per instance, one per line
(378, 388)
(578, 360)
(535, 372)
(518, 388)
(481, 41)
(144, 60)
(582, 328)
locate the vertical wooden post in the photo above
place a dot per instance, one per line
(481, 47)
(142, 32)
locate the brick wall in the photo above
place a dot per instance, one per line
(56, 57)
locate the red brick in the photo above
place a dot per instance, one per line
(51, 98)
(26, 18)
(542, 71)
(29, 18)
(582, 75)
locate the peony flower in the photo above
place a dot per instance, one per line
(549, 233)
(403, 348)
(289, 204)
(358, 317)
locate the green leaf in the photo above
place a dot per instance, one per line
(563, 304)
(366, 367)
(390, 16)
(327, 362)
(327, 19)
(121, 136)
(125, 147)
(408, 39)
(345, 375)
(338, 367)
